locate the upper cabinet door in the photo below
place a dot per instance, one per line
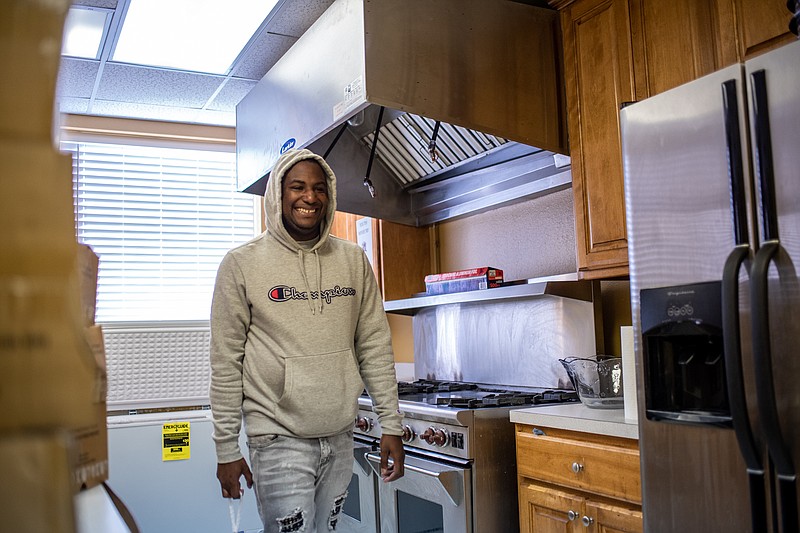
(598, 75)
(758, 26)
(679, 41)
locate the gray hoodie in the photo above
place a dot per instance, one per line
(295, 328)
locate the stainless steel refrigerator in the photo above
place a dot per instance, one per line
(712, 192)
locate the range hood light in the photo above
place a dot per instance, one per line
(432, 145)
(357, 119)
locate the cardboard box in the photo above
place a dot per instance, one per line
(36, 494)
(88, 265)
(463, 280)
(37, 214)
(48, 375)
(96, 342)
(47, 371)
(30, 48)
(90, 467)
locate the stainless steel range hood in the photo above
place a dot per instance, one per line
(483, 74)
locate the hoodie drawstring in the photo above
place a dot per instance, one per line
(302, 264)
(319, 280)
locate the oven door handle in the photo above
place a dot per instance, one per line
(360, 457)
(451, 481)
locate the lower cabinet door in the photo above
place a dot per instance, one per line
(612, 518)
(544, 509)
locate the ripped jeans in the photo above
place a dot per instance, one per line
(301, 484)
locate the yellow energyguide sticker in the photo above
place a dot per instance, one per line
(175, 441)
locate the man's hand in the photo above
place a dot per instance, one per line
(392, 446)
(228, 475)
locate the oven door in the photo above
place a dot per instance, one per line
(432, 496)
(360, 511)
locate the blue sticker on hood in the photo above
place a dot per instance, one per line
(288, 145)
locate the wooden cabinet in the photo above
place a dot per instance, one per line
(544, 509)
(751, 27)
(675, 42)
(401, 255)
(683, 40)
(617, 51)
(598, 77)
(570, 481)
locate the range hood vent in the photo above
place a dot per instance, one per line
(403, 147)
(480, 78)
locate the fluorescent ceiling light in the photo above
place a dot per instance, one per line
(84, 32)
(194, 35)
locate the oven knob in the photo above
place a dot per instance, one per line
(364, 424)
(408, 433)
(435, 437)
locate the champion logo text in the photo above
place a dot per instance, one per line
(284, 293)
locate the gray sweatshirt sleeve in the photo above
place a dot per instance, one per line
(373, 346)
(230, 317)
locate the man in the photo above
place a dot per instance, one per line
(297, 330)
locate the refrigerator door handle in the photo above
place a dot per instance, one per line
(759, 280)
(765, 389)
(763, 155)
(730, 311)
(733, 140)
(735, 382)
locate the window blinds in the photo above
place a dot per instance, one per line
(160, 219)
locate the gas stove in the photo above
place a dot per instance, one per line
(455, 418)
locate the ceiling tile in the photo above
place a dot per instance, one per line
(127, 83)
(294, 18)
(111, 4)
(263, 53)
(76, 77)
(165, 113)
(231, 94)
(73, 106)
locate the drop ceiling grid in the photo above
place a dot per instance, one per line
(142, 85)
(76, 77)
(261, 55)
(159, 94)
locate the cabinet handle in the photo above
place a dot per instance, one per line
(577, 467)
(587, 521)
(572, 515)
(538, 432)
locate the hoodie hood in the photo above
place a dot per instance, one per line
(273, 211)
(273, 198)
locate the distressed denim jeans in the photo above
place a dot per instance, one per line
(301, 484)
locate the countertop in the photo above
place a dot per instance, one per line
(578, 417)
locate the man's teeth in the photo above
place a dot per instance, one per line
(306, 211)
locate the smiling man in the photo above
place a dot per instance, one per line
(297, 331)
(304, 200)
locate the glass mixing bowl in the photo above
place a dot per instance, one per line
(598, 380)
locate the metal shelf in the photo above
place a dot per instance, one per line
(566, 286)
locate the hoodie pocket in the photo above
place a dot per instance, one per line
(320, 394)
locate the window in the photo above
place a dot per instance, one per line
(160, 219)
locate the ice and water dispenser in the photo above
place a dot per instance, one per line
(684, 363)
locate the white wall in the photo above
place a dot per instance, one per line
(529, 239)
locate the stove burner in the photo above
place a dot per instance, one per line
(558, 396)
(425, 386)
(506, 399)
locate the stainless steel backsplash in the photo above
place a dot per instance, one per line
(510, 342)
